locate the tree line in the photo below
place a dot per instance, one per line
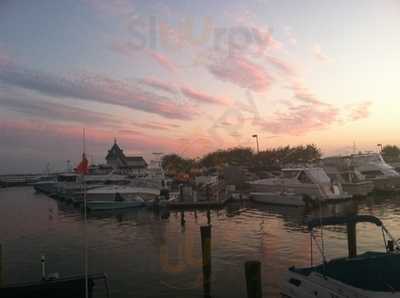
(274, 158)
(244, 156)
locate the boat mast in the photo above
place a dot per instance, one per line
(86, 261)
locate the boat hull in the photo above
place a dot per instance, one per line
(278, 199)
(296, 285)
(387, 184)
(361, 189)
(112, 205)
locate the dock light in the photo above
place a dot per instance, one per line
(256, 136)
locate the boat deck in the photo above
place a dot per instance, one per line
(373, 271)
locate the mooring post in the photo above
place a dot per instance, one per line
(43, 263)
(183, 218)
(1, 266)
(205, 232)
(352, 239)
(253, 279)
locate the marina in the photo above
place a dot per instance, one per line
(187, 149)
(169, 264)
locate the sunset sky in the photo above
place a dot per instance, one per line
(191, 77)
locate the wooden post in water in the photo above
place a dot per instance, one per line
(205, 232)
(352, 239)
(253, 279)
(1, 266)
(183, 221)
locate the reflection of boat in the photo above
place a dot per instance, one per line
(119, 203)
(375, 169)
(371, 274)
(339, 169)
(277, 198)
(304, 181)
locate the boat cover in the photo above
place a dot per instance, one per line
(342, 220)
(371, 271)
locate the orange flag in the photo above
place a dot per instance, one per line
(83, 167)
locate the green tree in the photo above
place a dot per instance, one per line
(390, 152)
(176, 163)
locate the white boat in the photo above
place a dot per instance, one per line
(371, 274)
(339, 169)
(313, 182)
(109, 192)
(277, 198)
(72, 183)
(375, 169)
(120, 202)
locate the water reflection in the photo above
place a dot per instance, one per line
(158, 254)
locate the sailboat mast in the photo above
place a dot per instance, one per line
(85, 219)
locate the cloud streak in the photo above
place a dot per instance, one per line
(96, 89)
(239, 70)
(55, 111)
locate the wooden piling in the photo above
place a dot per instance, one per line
(253, 279)
(1, 266)
(205, 232)
(352, 239)
(183, 221)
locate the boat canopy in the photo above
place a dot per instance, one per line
(342, 220)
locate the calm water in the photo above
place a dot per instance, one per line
(147, 256)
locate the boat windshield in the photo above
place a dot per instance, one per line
(368, 158)
(289, 174)
(318, 175)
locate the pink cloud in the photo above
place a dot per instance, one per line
(264, 39)
(282, 65)
(96, 88)
(304, 94)
(240, 71)
(130, 50)
(204, 97)
(360, 111)
(162, 60)
(189, 92)
(161, 85)
(155, 125)
(301, 119)
(319, 55)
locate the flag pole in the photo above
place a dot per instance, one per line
(86, 255)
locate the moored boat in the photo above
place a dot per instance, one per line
(339, 169)
(371, 274)
(376, 170)
(312, 182)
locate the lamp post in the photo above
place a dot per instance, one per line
(380, 148)
(258, 148)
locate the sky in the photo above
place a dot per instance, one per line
(191, 77)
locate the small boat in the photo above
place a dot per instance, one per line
(313, 182)
(118, 203)
(52, 285)
(281, 198)
(66, 287)
(339, 169)
(376, 170)
(371, 274)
